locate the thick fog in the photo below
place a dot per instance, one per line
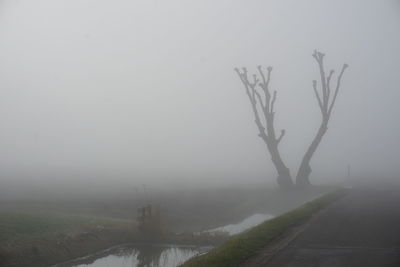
(145, 92)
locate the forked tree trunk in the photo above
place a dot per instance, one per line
(326, 101)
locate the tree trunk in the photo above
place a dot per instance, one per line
(284, 178)
(303, 175)
(267, 133)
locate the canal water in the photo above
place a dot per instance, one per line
(157, 255)
(249, 222)
(139, 256)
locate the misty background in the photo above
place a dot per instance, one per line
(134, 92)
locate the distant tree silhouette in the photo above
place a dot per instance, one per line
(326, 101)
(262, 102)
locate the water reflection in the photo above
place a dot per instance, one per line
(156, 255)
(139, 256)
(249, 222)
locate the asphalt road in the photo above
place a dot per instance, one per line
(360, 230)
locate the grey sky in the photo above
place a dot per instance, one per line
(146, 89)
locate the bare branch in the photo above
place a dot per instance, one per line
(339, 79)
(315, 55)
(319, 57)
(262, 75)
(251, 93)
(265, 86)
(239, 74)
(281, 136)
(273, 102)
(269, 69)
(317, 96)
(328, 84)
(257, 120)
(255, 80)
(243, 78)
(260, 100)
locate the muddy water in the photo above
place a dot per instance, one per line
(139, 256)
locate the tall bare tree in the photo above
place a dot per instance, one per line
(326, 98)
(262, 103)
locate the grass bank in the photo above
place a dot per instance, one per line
(43, 239)
(249, 243)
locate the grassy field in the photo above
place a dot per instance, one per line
(17, 225)
(41, 233)
(42, 239)
(247, 244)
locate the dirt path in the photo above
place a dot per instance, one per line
(362, 229)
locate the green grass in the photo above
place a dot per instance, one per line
(249, 243)
(42, 238)
(14, 225)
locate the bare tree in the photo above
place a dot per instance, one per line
(326, 100)
(262, 103)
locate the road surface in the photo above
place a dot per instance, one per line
(360, 230)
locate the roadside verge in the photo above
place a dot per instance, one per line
(248, 244)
